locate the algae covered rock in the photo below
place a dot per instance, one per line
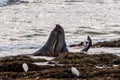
(115, 43)
(90, 67)
(20, 58)
(14, 63)
(81, 58)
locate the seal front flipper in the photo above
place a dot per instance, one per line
(87, 44)
(64, 48)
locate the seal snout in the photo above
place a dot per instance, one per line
(58, 27)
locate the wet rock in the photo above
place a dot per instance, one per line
(81, 58)
(50, 54)
(86, 65)
(20, 58)
(108, 44)
(75, 45)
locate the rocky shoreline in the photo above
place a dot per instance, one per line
(90, 67)
(97, 66)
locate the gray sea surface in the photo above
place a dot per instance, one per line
(25, 26)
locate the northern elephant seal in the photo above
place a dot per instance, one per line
(55, 43)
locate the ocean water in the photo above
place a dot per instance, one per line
(25, 27)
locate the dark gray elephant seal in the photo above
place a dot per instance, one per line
(55, 43)
(60, 42)
(87, 44)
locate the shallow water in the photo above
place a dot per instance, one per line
(25, 27)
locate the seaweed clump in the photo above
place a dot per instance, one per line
(91, 67)
(108, 44)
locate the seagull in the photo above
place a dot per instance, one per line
(75, 71)
(25, 67)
